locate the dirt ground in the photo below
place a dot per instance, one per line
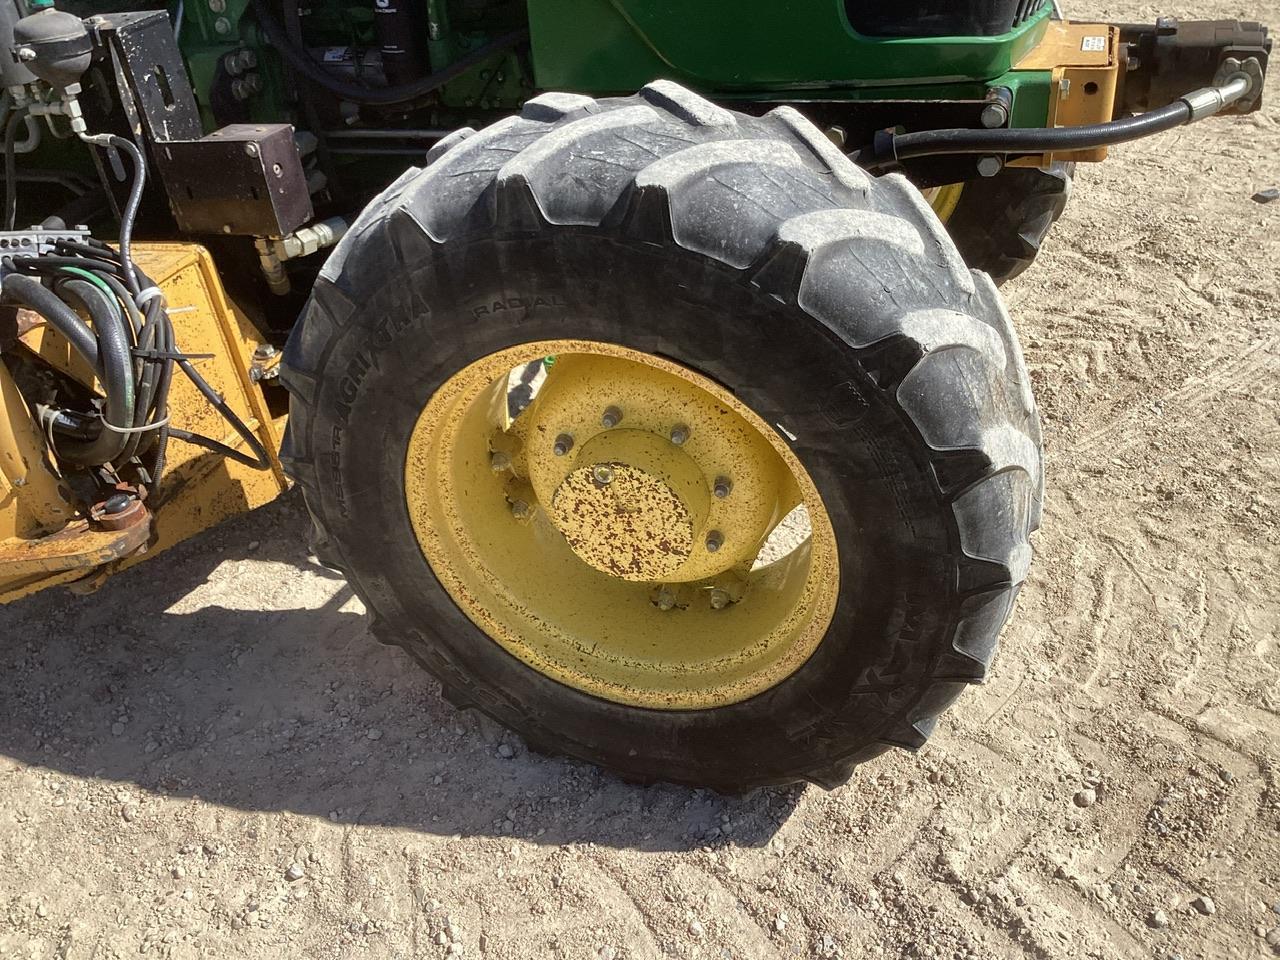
(212, 758)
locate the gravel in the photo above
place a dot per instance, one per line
(295, 872)
(1158, 920)
(1086, 798)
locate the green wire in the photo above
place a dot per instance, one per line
(92, 278)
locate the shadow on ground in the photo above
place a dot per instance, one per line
(236, 670)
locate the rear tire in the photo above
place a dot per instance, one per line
(754, 252)
(1000, 223)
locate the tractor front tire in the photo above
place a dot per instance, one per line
(747, 254)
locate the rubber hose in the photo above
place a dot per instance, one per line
(301, 61)
(131, 208)
(1037, 140)
(115, 348)
(30, 292)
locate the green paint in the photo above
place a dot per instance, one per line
(723, 46)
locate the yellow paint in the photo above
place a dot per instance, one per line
(1085, 60)
(571, 580)
(31, 503)
(199, 488)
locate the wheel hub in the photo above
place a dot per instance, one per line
(623, 521)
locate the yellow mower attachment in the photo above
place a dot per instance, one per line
(44, 540)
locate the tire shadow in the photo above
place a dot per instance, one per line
(236, 670)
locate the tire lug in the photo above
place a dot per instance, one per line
(722, 487)
(563, 444)
(679, 434)
(715, 540)
(611, 417)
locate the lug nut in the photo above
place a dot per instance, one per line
(611, 417)
(666, 600)
(499, 461)
(563, 444)
(719, 599)
(722, 487)
(679, 434)
(715, 540)
(603, 473)
(520, 510)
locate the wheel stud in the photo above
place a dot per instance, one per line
(679, 434)
(520, 510)
(722, 487)
(666, 600)
(611, 417)
(563, 444)
(715, 540)
(499, 461)
(602, 473)
(719, 599)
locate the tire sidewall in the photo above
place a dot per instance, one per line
(416, 322)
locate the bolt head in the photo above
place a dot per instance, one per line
(994, 115)
(666, 600)
(990, 166)
(719, 599)
(563, 444)
(602, 473)
(520, 510)
(611, 417)
(499, 461)
(722, 487)
(715, 540)
(251, 149)
(679, 434)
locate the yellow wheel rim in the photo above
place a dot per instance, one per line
(944, 199)
(634, 532)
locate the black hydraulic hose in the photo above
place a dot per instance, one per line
(131, 208)
(302, 61)
(260, 459)
(11, 167)
(30, 292)
(1037, 140)
(116, 349)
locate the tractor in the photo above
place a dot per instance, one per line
(642, 365)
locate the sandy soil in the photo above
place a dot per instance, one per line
(212, 758)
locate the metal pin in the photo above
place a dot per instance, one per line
(679, 434)
(715, 540)
(722, 487)
(611, 417)
(563, 444)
